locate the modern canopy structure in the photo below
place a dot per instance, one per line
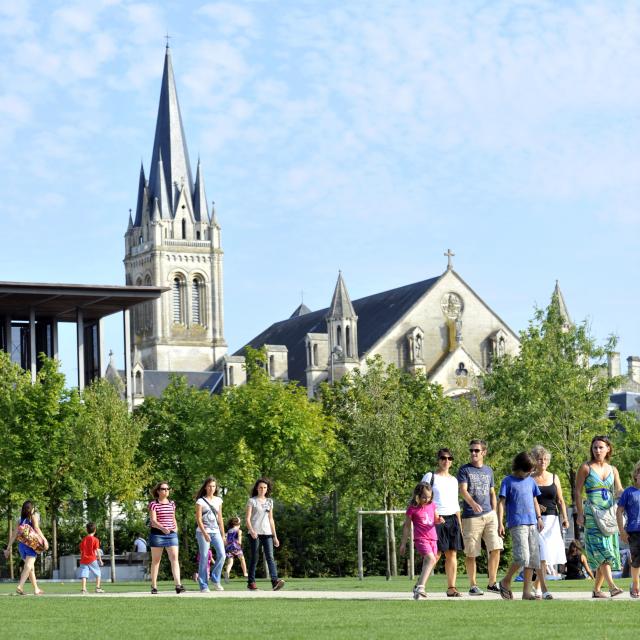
(30, 313)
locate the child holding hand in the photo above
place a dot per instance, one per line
(422, 513)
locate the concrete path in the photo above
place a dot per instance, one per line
(323, 595)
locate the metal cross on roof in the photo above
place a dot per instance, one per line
(449, 255)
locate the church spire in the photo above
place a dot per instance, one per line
(169, 143)
(564, 312)
(142, 197)
(200, 212)
(341, 306)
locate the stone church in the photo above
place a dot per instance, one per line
(440, 327)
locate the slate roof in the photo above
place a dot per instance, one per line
(300, 310)
(155, 382)
(376, 315)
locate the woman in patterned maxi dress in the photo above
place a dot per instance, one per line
(601, 483)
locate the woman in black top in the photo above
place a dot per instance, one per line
(552, 505)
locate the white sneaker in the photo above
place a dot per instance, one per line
(205, 590)
(419, 593)
(217, 586)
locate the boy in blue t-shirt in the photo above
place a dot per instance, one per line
(629, 504)
(518, 493)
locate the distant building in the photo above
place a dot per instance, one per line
(440, 327)
(174, 241)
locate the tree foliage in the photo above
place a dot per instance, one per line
(554, 392)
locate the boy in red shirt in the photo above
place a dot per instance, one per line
(90, 561)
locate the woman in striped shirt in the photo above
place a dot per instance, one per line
(163, 534)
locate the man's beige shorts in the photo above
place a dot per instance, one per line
(474, 530)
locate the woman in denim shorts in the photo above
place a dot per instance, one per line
(163, 534)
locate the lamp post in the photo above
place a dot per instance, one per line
(336, 351)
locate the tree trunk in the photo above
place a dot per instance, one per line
(386, 546)
(392, 540)
(10, 526)
(112, 549)
(54, 538)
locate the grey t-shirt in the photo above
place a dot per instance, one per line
(479, 481)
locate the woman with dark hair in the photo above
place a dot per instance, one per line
(601, 483)
(445, 496)
(163, 534)
(29, 517)
(262, 531)
(209, 531)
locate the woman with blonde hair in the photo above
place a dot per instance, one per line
(552, 507)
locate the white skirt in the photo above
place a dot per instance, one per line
(551, 542)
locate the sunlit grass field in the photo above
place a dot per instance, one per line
(98, 617)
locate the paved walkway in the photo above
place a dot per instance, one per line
(321, 595)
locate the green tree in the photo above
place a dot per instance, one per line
(554, 392)
(271, 428)
(390, 424)
(181, 443)
(46, 441)
(14, 385)
(108, 436)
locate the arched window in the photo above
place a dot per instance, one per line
(178, 307)
(230, 381)
(195, 301)
(339, 336)
(315, 355)
(272, 366)
(347, 339)
(137, 387)
(184, 229)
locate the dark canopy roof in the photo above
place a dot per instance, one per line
(376, 315)
(60, 301)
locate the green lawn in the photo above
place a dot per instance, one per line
(489, 618)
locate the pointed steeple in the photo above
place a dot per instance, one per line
(200, 212)
(169, 143)
(161, 192)
(300, 310)
(142, 196)
(341, 306)
(130, 225)
(564, 312)
(214, 216)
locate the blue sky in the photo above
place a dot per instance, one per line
(362, 136)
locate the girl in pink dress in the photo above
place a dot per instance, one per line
(422, 513)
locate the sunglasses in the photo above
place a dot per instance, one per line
(164, 489)
(475, 450)
(450, 458)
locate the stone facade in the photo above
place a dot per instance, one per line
(175, 242)
(440, 327)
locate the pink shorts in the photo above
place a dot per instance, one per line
(423, 547)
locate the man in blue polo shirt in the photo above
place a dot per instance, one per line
(629, 505)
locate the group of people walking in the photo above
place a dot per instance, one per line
(531, 498)
(210, 533)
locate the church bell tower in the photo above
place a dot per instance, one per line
(174, 241)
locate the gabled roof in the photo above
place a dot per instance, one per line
(170, 142)
(376, 315)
